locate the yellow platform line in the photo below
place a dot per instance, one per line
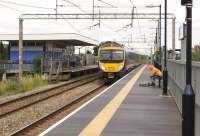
(97, 125)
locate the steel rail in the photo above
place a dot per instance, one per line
(74, 83)
(23, 130)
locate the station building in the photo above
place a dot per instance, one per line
(52, 47)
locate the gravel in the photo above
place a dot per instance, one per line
(23, 117)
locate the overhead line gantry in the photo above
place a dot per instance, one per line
(97, 16)
(83, 16)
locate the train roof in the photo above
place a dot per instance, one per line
(110, 45)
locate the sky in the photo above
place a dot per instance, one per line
(142, 30)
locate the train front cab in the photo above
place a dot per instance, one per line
(111, 63)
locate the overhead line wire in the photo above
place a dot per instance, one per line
(107, 3)
(26, 5)
(75, 5)
(48, 20)
(11, 8)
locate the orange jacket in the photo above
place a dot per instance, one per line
(154, 71)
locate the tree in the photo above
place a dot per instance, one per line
(95, 49)
(88, 52)
(3, 52)
(196, 56)
(37, 65)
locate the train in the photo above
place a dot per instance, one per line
(114, 60)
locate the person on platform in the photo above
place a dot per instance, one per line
(156, 74)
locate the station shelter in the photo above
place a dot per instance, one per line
(53, 49)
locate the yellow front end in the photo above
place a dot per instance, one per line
(111, 61)
(111, 67)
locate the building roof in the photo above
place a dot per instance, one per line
(71, 38)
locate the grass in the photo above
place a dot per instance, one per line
(29, 82)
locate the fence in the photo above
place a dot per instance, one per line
(177, 80)
(52, 65)
(55, 66)
(13, 67)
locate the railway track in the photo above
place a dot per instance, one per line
(47, 96)
(35, 127)
(14, 105)
(90, 84)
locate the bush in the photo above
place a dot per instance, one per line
(95, 50)
(2, 71)
(196, 56)
(37, 65)
(3, 52)
(4, 61)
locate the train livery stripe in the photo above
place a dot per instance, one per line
(97, 125)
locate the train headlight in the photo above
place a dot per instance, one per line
(102, 67)
(120, 67)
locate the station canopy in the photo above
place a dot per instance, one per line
(71, 39)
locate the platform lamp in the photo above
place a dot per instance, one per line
(188, 96)
(165, 71)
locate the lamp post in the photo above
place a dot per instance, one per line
(165, 72)
(188, 97)
(20, 48)
(159, 28)
(160, 34)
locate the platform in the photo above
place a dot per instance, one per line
(124, 109)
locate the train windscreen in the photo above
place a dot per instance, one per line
(111, 55)
(105, 55)
(117, 55)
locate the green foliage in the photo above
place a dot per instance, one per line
(156, 55)
(2, 71)
(10, 87)
(96, 49)
(88, 52)
(3, 52)
(137, 57)
(37, 65)
(196, 56)
(4, 61)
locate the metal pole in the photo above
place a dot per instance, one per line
(173, 37)
(188, 44)
(156, 45)
(85, 56)
(188, 97)
(132, 16)
(165, 72)
(56, 8)
(160, 37)
(93, 10)
(20, 48)
(151, 55)
(99, 18)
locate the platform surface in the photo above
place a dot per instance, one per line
(125, 109)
